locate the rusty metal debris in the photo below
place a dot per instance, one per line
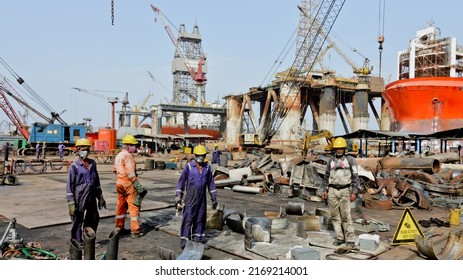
(453, 249)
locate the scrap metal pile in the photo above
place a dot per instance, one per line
(387, 182)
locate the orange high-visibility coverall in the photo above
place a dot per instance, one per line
(125, 167)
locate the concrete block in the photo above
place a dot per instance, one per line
(368, 242)
(305, 254)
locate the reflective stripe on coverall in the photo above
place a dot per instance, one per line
(341, 172)
(125, 166)
(192, 188)
(83, 186)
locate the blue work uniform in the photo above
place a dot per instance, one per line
(192, 187)
(61, 150)
(216, 156)
(83, 187)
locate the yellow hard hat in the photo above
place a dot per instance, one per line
(44, 143)
(129, 139)
(216, 145)
(339, 143)
(200, 150)
(83, 142)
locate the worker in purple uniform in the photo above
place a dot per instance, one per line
(83, 192)
(37, 151)
(216, 154)
(195, 179)
(61, 149)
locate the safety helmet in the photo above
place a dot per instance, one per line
(339, 143)
(216, 145)
(129, 139)
(199, 150)
(44, 143)
(83, 142)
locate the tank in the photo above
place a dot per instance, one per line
(109, 135)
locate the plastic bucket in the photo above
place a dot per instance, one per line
(454, 216)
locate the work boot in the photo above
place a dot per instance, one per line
(350, 244)
(136, 235)
(124, 231)
(338, 242)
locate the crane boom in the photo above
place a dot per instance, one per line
(175, 42)
(34, 95)
(12, 115)
(361, 71)
(112, 101)
(197, 75)
(326, 15)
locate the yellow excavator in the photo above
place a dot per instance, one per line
(310, 137)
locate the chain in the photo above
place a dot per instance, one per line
(112, 12)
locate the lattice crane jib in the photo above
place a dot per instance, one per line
(324, 18)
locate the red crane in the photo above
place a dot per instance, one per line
(9, 111)
(198, 76)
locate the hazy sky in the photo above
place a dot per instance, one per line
(56, 45)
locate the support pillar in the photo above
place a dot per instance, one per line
(233, 127)
(290, 130)
(156, 121)
(328, 109)
(360, 108)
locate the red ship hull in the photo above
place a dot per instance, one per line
(425, 105)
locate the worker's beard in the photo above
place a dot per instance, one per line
(339, 154)
(132, 149)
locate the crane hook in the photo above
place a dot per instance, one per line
(112, 12)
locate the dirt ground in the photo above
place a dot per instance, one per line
(161, 225)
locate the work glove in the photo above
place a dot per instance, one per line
(214, 203)
(72, 208)
(141, 193)
(139, 188)
(101, 203)
(178, 201)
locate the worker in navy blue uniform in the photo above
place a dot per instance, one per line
(216, 154)
(83, 192)
(195, 180)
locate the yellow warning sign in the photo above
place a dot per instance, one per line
(407, 229)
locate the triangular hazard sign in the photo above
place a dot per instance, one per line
(407, 229)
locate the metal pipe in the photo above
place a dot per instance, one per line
(89, 243)
(227, 182)
(295, 208)
(430, 165)
(446, 157)
(113, 245)
(75, 250)
(370, 164)
(7, 231)
(245, 189)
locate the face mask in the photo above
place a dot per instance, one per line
(200, 159)
(132, 149)
(83, 154)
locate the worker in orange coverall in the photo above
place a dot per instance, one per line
(130, 192)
